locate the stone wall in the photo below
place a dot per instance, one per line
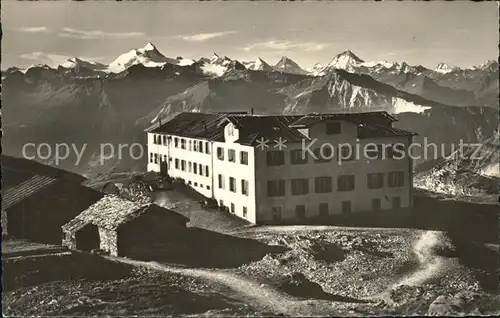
(109, 241)
(4, 223)
(69, 240)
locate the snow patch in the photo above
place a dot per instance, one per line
(213, 69)
(492, 170)
(443, 68)
(402, 106)
(384, 64)
(186, 62)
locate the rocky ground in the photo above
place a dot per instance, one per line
(377, 271)
(143, 292)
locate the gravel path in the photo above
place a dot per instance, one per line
(260, 296)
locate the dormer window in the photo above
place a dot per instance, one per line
(230, 130)
(333, 128)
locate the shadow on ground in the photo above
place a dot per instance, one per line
(198, 247)
(296, 284)
(145, 295)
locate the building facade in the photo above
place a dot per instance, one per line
(279, 169)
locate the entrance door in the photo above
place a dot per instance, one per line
(376, 204)
(87, 238)
(396, 203)
(163, 168)
(276, 213)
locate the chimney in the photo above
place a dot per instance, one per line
(251, 111)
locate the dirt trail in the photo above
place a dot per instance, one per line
(260, 296)
(429, 264)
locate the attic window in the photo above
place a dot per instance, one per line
(230, 130)
(333, 128)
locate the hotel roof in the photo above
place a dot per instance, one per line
(210, 126)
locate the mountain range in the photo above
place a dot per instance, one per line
(85, 102)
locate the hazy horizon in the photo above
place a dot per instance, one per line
(461, 34)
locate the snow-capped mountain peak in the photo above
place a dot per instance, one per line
(443, 68)
(288, 65)
(346, 60)
(484, 66)
(149, 47)
(218, 60)
(214, 58)
(76, 63)
(148, 56)
(258, 65)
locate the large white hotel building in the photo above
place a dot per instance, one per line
(221, 156)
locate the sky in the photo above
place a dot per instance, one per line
(459, 33)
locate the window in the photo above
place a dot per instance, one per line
(396, 202)
(165, 140)
(245, 212)
(244, 187)
(221, 181)
(347, 153)
(165, 158)
(244, 157)
(190, 146)
(323, 210)
(189, 182)
(375, 180)
(183, 165)
(206, 147)
(230, 130)
(396, 179)
(373, 152)
(206, 171)
(233, 209)
(298, 156)
(346, 207)
(183, 143)
(200, 146)
(276, 213)
(176, 142)
(300, 211)
(156, 158)
(200, 169)
(323, 184)
(232, 184)
(345, 182)
(220, 153)
(275, 158)
(208, 187)
(176, 163)
(151, 157)
(389, 151)
(231, 155)
(190, 167)
(275, 188)
(376, 204)
(195, 167)
(196, 184)
(326, 156)
(221, 203)
(300, 186)
(333, 128)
